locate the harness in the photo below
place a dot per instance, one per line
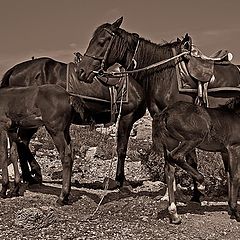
(198, 66)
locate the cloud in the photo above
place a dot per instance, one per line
(72, 45)
(220, 32)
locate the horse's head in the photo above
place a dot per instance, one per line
(108, 46)
(96, 56)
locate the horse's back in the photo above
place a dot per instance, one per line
(52, 91)
(35, 72)
(184, 120)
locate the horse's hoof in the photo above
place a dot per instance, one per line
(109, 184)
(238, 218)
(3, 195)
(37, 177)
(176, 221)
(119, 184)
(126, 189)
(120, 181)
(31, 181)
(201, 188)
(195, 200)
(14, 194)
(62, 202)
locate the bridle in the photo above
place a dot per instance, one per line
(104, 58)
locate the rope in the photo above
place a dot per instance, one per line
(113, 153)
(140, 69)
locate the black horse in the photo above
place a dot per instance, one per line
(46, 70)
(184, 126)
(32, 107)
(111, 44)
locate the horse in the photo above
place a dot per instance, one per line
(41, 71)
(111, 44)
(33, 107)
(184, 126)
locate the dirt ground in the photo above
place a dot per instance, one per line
(135, 213)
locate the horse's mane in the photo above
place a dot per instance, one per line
(150, 52)
(147, 53)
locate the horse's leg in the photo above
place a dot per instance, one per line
(178, 156)
(172, 209)
(25, 157)
(64, 148)
(4, 163)
(14, 160)
(124, 130)
(226, 161)
(166, 195)
(191, 159)
(234, 175)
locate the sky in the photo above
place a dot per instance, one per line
(57, 28)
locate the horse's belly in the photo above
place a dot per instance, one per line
(211, 146)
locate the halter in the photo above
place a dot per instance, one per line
(104, 58)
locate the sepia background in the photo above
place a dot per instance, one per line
(57, 28)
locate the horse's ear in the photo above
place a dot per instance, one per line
(187, 42)
(178, 40)
(117, 23)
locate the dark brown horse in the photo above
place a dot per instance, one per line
(32, 107)
(183, 126)
(46, 70)
(111, 44)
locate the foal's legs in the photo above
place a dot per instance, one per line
(14, 160)
(63, 145)
(191, 159)
(178, 157)
(170, 179)
(25, 157)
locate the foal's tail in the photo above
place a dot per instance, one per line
(159, 130)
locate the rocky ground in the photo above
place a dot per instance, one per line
(134, 213)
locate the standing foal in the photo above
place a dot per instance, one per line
(184, 126)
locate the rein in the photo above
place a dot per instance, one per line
(120, 74)
(103, 59)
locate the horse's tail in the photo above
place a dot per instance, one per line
(159, 130)
(6, 77)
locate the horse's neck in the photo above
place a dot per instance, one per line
(150, 53)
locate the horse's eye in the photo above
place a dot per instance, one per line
(101, 42)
